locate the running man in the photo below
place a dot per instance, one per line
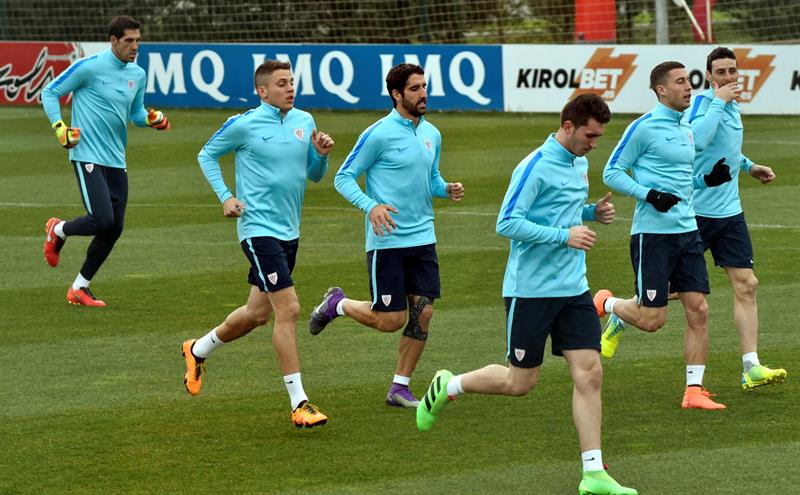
(399, 155)
(277, 148)
(666, 249)
(545, 288)
(107, 91)
(716, 124)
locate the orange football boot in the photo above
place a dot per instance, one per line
(308, 415)
(195, 367)
(699, 398)
(52, 243)
(83, 297)
(599, 300)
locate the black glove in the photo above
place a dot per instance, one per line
(662, 201)
(719, 175)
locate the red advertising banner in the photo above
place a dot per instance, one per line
(27, 67)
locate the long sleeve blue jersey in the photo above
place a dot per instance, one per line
(659, 149)
(546, 197)
(401, 164)
(274, 156)
(718, 127)
(106, 93)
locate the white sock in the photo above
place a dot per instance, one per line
(206, 344)
(750, 360)
(401, 380)
(592, 460)
(608, 305)
(59, 229)
(340, 308)
(294, 385)
(454, 388)
(80, 282)
(694, 374)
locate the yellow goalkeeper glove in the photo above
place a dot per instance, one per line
(157, 120)
(68, 137)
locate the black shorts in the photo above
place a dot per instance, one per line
(667, 262)
(397, 273)
(271, 262)
(728, 239)
(571, 322)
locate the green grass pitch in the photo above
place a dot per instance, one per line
(92, 401)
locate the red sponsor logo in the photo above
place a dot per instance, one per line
(26, 68)
(604, 74)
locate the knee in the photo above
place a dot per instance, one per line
(290, 311)
(746, 288)
(593, 376)
(653, 323)
(256, 318)
(105, 224)
(518, 388)
(426, 315)
(389, 322)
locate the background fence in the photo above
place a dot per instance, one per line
(409, 21)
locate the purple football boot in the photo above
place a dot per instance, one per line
(400, 396)
(326, 311)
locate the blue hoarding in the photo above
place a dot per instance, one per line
(326, 76)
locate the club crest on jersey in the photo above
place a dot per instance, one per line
(386, 298)
(273, 278)
(691, 137)
(131, 84)
(519, 354)
(89, 167)
(651, 294)
(428, 144)
(298, 133)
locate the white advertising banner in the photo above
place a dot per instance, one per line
(541, 78)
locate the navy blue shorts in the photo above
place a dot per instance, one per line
(667, 262)
(395, 274)
(571, 322)
(728, 239)
(271, 262)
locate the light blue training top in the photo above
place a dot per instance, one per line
(274, 156)
(718, 127)
(546, 196)
(401, 165)
(659, 149)
(106, 93)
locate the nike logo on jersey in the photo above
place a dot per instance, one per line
(265, 138)
(564, 182)
(401, 149)
(670, 139)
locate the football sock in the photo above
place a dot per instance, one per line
(609, 303)
(206, 344)
(454, 386)
(401, 380)
(80, 282)
(694, 374)
(750, 360)
(294, 386)
(59, 229)
(592, 460)
(340, 308)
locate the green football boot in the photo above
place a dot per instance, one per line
(434, 400)
(761, 375)
(610, 339)
(600, 483)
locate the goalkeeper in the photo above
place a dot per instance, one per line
(107, 91)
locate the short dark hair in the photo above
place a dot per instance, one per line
(660, 71)
(398, 76)
(119, 24)
(718, 53)
(266, 69)
(584, 107)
